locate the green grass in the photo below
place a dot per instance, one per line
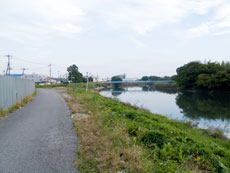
(91, 85)
(17, 105)
(52, 86)
(167, 145)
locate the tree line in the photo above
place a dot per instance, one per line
(210, 75)
(157, 78)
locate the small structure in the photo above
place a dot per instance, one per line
(99, 79)
(33, 77)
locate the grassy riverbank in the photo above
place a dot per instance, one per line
(114, 137)
(17, 105)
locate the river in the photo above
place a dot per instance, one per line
(201, 108)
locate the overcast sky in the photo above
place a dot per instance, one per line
(109, 37)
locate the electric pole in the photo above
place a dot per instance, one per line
(8, 64)
(59, 76)
(23, 70)
(87, 81)
(50, 75)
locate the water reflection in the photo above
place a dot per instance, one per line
(209, 110)
(116, 92)
(204, 105)
(152, 88)
(146, 88)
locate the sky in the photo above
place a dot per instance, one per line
(111, 37)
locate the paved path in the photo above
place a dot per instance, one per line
(38, 137)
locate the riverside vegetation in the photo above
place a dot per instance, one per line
(209, 76)
(115, 136)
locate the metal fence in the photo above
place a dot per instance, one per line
(14, 89)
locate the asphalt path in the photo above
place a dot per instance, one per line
(38, 137)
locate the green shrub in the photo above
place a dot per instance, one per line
(154, 137)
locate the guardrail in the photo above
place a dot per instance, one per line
(14, 89)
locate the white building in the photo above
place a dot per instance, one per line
(36, 78)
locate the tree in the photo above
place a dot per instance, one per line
(188, 74)
(173, 78)
(204, 81)
(74, 75)
(145, 78)
(90, 79)
(156, 78)
(116, 78)
(211, 75)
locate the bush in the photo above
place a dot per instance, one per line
(154, 137)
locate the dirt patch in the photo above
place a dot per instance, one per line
(63, 93)
(76, 108)
(79, 115)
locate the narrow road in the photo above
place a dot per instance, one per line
(38, 137)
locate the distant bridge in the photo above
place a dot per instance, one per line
(138, 82)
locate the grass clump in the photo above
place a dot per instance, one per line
(118, 137)
(18, 105)
(51, 86)
(215, 133)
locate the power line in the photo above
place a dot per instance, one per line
(36, 68)
(31, 62)
(38, 63)
(8, 70)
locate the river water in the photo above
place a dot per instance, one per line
(204, 109)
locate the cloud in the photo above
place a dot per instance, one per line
(57, 10)
(202, 7)
(218, 25)
(68, 28)
(38, 20)
(43, 19)
(223, 12)
(144, 16)
(200, 30)
(138, 42)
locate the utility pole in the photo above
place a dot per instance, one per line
(59, 76)
(87, 82)
(50, 75)
(8, 64)
(23, 70)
